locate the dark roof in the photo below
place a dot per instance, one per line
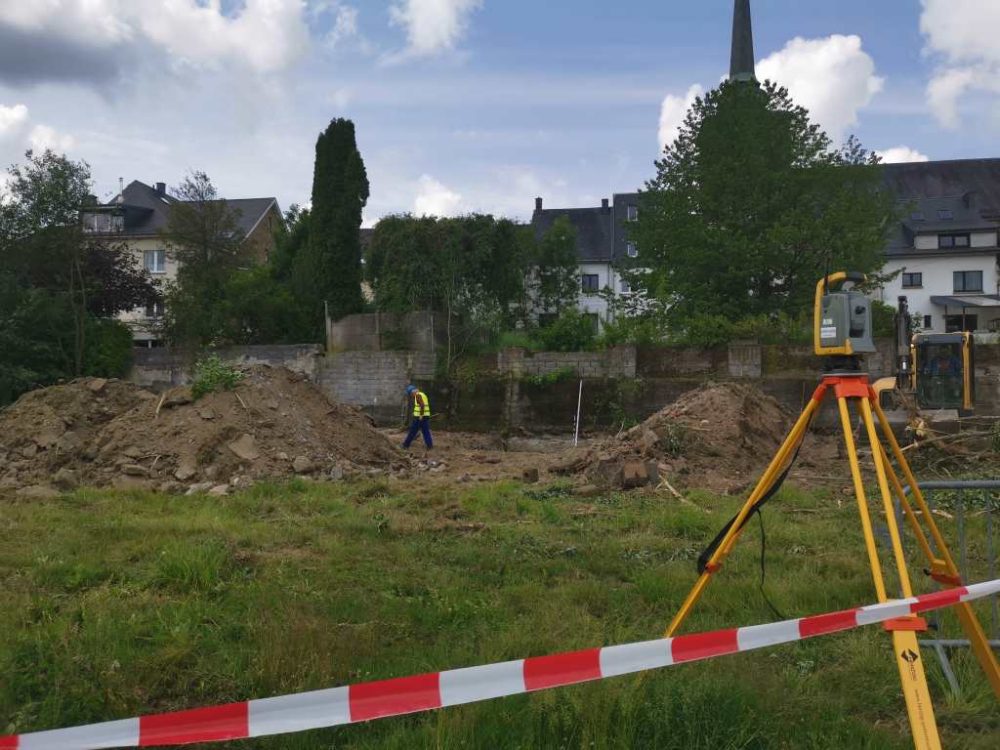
(967, 190)
(147, 211)
(593, 230)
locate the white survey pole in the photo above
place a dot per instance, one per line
(579, 404)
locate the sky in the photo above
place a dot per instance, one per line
(469, 105)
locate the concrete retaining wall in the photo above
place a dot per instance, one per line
(162, 368)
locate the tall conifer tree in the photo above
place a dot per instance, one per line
(328, 269)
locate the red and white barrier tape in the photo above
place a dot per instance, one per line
(405, 695)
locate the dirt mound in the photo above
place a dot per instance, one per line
(717, 437)
(273, 423)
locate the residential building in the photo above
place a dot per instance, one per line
(139, 215)
(946, 248)
(602, 245)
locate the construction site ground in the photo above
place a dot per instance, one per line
(161, 552)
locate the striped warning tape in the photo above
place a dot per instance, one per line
(404, 695)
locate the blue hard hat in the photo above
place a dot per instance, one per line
(410, 390)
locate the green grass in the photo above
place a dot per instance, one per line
(119, 603)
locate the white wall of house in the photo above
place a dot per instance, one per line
(937, 280)
(151, 254)
(594, 303)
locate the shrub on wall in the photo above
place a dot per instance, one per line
(108, 353)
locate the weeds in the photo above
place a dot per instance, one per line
(212, 374)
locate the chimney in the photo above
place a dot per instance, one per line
(161, 188)
(538, 204)
(605, 204)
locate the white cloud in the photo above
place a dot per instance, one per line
(265, 35)
(672, 113)
(901, 154)
(432, 26)
(43, 137)
(345, 25)
(834, 78)
(962, 33)
(434, 199)
(12, 119)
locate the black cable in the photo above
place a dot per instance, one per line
(763, 567)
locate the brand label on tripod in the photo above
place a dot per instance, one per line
(828, 332)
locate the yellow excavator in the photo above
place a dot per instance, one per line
(936, 373)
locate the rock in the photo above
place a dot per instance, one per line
(212, 472)
(219, 490)
(245, 448)
(89, 453)
(69, 443)
(337, 473)
(200, 487)
(177, 397)
(132, 452)
(65, 479)
(47, 438)
(171, 488)
(38, 492)
(648, 442)
(29, 450)
(587, 490)
(96, 385)
(186, 470)
(634, 474)
(207, 413)
(531, 476)
(465, 479)
(134, 470)
(302, 465)
(282, 456)
(653, 470)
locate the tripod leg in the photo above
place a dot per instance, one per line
(904, 633)
(946, 564)
(770, 476)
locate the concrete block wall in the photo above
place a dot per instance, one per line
(163, 368)
(374, 381)
(619, 362)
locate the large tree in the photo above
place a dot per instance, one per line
(203, 236)
(59, 287)
(751, 204)
(554, 273)
(328, 269)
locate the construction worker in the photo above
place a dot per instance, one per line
(421, 417)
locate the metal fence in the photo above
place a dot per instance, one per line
(962, 500)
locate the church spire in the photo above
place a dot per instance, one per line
(741, 66)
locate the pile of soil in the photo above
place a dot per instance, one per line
(717, 437)
(111, 433)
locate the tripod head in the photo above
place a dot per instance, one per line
(842, 322)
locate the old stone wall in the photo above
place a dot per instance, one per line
(162, 368)
(618, 362)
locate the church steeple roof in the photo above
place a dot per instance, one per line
(741, 66)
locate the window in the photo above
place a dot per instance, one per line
(913, 280)
(959, 323)
(633, 213)
(917, 216)
(953, 240)
(631, 250)
(968, 281)
(625, 287)
(103, 223)
(595, 321)
(154, 309)
(591, 283)
(155, 261)
(928, 322)
(945, 214)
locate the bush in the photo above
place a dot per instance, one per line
(212, 374)
(572, 331)
(108, 350)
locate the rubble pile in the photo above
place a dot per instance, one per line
(110, 433)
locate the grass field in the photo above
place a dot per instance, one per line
(115, 604)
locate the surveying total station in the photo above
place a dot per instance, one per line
(843, 332)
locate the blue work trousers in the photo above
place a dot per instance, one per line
(419, 424)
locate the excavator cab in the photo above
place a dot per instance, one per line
(943, 371)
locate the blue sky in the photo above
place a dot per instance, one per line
(469, 105)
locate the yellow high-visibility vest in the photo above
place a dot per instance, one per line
(421, 405)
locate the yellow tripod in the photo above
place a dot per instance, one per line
(852, 388)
